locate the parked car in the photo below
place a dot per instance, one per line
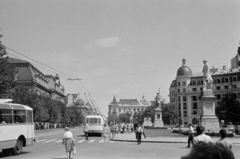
(231, 128)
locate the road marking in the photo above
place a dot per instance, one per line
(41, 140)
(49, 141)
(59, 141)
(101, 141)
(80, 141)
(91, 141)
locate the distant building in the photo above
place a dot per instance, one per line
(187, 86)
(71, 98)
(29, 75)
(130, 106)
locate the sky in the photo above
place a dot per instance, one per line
(126, 48)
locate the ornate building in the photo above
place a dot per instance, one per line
(186, 88)
(29, 75)
(127, 106)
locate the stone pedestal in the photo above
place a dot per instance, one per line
(147, 122)
(208, 115)
(158, 118)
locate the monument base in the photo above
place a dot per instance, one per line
(158, 124)
(147, 122)
(208, 117)
(210, 123)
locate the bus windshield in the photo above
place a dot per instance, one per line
(93, 120)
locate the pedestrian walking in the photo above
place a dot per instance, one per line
(201, 136)
(139, 134)
(113, 130)
(86, 129)
(105, 132)
(223, 141)
(68, 142)
(190, 136)
(143, 132)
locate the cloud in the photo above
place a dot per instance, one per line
(107, 42)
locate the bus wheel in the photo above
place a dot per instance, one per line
(7, 152)
(18, 147)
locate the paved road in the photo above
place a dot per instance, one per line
(48, 146)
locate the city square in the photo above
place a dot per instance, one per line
(119, 79)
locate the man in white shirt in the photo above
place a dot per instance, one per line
(191, 135)
(201, 136)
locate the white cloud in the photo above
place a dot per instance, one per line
(107, 42)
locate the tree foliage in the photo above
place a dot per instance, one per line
(229, 109)
(8, 73)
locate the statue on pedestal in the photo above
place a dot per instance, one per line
(207, 78)
(158, 100)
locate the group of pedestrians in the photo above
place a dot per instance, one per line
(204, 148)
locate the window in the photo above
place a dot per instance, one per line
(184, 98)
(184, 105)
(226, 79)
(29, 117)
(218, 80)
(178, 90)
(184, 89)
(179, 113)
(195, 106)
(218, 87)
(225, 87)
(194, 112)
(179, 84)
(234, 86)
(185, 113)
(194, 98)
(194, 89)
(194, 83)
(19, 116)
(234, 79)
(5, 116)
(201, 88)
(179, 106)
(184, 83)
(179, 98)
(201, 82)
(218, 96)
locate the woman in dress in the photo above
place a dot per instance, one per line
(68, 142)
(105, 132)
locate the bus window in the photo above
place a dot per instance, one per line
(19, 116)
(5, 116)
(99, 121)
(29, 117)
(87, 120)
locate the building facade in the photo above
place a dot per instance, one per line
(186, 88)
(130, 106)
(29, 75)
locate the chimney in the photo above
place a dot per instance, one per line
(224, 67)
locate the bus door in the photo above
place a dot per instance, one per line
(30, 128)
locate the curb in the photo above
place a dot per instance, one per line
(148, 141)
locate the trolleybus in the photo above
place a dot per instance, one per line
(16, 127)
(96, 123)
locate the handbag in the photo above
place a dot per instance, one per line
(74, 152)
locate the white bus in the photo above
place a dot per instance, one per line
(96, 123)
(16, 127)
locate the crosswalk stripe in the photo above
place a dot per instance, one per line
(101, 141)
(91, 141)
(49, 141)
(80, 141)
(59, 141)
(41, 140)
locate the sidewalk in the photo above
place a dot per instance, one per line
(131, 138)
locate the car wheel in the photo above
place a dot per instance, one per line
(18, 147)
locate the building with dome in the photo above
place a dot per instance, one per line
(186, 88)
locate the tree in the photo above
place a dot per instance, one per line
(168, 115)
(8, 73)
(229, 109)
